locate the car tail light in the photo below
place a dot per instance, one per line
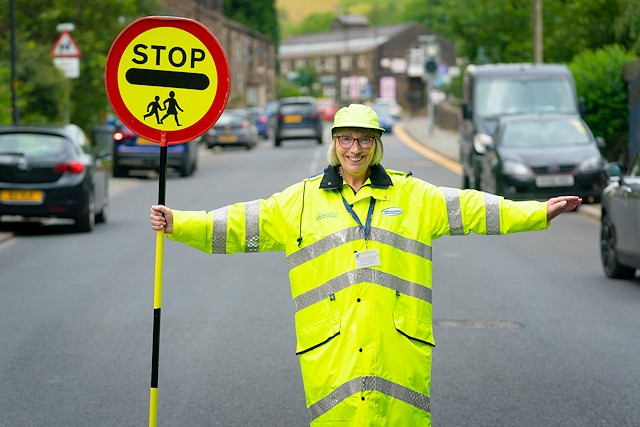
(73, 168)
(313, 116)
(122, 134)
(246, 124)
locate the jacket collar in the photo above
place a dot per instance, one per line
(333, 181)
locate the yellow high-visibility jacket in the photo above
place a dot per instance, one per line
(363, 327)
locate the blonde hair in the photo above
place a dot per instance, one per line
(332, 157)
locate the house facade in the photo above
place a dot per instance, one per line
(356, 62)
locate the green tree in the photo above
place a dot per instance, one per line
(260, 15)
(41, 89)
(314, 23)
(599, 80)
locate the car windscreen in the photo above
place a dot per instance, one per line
(227, 119)
(33, 144)
(301, 108)
(545, 133)
(501, 95)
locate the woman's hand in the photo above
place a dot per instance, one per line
(558, 205)
(161, 217)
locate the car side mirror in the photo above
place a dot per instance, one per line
(613, 171)
(600, 142)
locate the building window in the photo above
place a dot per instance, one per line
(330, 65)
(345, 62)
(363, 62)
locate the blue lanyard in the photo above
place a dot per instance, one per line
(366, 229)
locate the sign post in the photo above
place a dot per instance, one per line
(167, 80)
(66, 57)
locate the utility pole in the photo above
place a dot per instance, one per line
(537, 31)
(14, 79)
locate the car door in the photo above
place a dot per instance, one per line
(625, 210)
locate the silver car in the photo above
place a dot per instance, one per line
(620, 223)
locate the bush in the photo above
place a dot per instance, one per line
(600, 82)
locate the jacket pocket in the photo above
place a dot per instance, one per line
(413, 327)
(310, 336)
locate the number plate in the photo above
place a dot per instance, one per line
(554, 181)
(21, 196)
(292, 119)
(144, 141)
(227, 138)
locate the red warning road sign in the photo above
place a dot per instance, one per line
(167, 78)
(65, 46)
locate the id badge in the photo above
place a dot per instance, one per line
(367, 259)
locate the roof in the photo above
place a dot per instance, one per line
(510, 68)
(347, 40)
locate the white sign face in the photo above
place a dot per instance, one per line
(69, 66)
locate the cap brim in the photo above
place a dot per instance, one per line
(356, 125)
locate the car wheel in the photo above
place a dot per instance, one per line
(117, 171)
(320, 141)
(87, 219)
(277, 142)
(465, 181)
(612, 268)
(103, 215)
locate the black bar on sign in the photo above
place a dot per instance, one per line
(162, 78)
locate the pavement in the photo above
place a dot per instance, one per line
(446, 144)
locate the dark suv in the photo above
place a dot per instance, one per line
(298, 118)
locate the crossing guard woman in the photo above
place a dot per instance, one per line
(358, 241)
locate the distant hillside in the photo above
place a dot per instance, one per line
(296, 10)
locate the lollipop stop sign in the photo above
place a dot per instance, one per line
(167, 78)
(168, 81)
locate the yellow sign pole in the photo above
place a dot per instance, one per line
(157, 291)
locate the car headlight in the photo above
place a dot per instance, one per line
(512, 168)
(592, 164)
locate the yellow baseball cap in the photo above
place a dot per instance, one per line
(356, 116)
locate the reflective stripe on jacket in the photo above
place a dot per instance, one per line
(364, 335)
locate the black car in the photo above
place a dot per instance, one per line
(538, 156)
(52, 172)
(298, 118)
(620, 221)
(133, 152)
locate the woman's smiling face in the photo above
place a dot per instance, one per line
(355, 160)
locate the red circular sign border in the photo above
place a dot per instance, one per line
(203, 34)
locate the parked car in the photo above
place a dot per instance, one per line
(327, 108)
(386, 118)
(234, 127)
(271, 109)
(395, 109)
(261, 120)
(620, 221)
(298, 118)
(133, 152)
(538, 156)
(52, 172)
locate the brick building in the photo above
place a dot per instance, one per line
(251, 55)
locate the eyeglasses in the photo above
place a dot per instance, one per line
(347, 141)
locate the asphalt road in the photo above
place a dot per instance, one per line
(528, 330)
